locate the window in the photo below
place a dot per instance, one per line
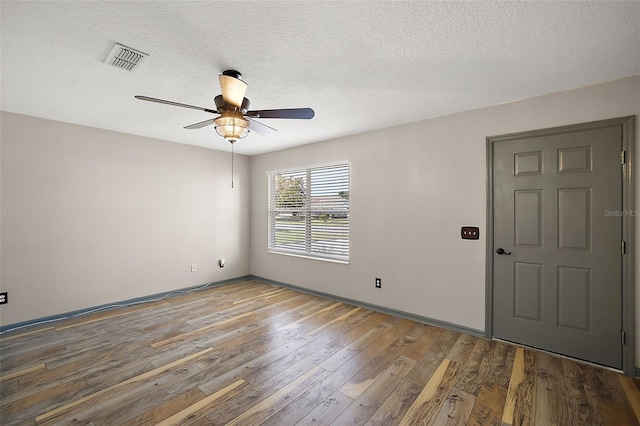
(309, 212)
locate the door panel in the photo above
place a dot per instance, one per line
(574, 298)
(528, 291)
(528, 217)
(574, 218)
(560, 288)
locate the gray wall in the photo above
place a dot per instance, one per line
(92, 216)
(412, 188)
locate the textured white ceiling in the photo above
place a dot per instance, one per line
(360, 65)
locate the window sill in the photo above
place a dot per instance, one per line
(303, 256)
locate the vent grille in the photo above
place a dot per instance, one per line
(125, 57)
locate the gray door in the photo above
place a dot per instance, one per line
(557, 216)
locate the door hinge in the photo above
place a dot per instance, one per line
(623, 247)
(623, 337)
(623, 157)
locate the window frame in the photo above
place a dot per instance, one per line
(308, 252)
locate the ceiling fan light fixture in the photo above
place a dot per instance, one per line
(232, 127)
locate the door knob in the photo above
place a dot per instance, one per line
(501, 251)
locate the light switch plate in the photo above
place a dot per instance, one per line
(470, 233)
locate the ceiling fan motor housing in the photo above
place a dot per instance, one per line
(222, 106)
(232, 73)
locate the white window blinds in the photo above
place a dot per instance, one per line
(309, 212)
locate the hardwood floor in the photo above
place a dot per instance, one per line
(251, 353)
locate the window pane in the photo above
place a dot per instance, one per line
(309, 212)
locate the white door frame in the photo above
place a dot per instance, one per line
(628, 227)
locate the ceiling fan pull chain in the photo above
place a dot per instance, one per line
(231, 164)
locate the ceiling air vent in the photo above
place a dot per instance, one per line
(125, 57)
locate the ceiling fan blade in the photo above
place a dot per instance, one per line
(260, 128)
(201, 124)
(233, 89)
(295, 113)
(162, 101)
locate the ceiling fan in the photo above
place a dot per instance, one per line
(235, 120)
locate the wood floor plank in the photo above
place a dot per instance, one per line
(551, 392)
(461, 350)
(456, 409)
(109, 314)
(36, 383)
(54, 413)
(472, 374)
(10, 408)
(267, 407)
(517, 379)
(165, 409)
(225, 362)
(265, 335)
(260, 296)
(315, 398)
(95, 318)
(18, 373)
(255, 364)
(136, 401)
(335, 320)
(241, 333)
(322, 396)
(86, 348)
(520, 405)
(632, 392)
(4, 339)
(396, 405)
(116, 402)
(353, 348)
(180, 417)
(613, 405)
(318, 349)
(8, 388)
(200, 330)
(425, 408)
(325, 413)
(312, 315)
(577, 400)
(418, 340)
(370, 400)
(501, 363)
(225, 314)
(431, 360)
(255, 353)
(359, 382)
(263, 389)
(22, 361)
(487, 409)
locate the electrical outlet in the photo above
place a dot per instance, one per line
(378, 282)
(193, 267)
(4, 298)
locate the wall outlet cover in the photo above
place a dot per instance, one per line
(4, 298)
